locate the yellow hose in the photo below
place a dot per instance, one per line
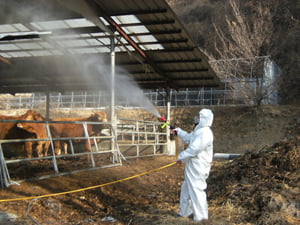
(87, 188)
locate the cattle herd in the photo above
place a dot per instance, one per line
(16, 127)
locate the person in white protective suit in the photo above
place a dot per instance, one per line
(197, 157)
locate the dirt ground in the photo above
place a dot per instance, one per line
(260, 187)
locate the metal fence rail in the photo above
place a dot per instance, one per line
(141, 138)
(131, 139)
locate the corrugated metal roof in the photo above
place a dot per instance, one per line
(47, 45)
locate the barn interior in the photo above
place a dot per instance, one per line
(59, 46)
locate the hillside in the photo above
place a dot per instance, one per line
(272, 28)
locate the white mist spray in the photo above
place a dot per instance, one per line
(87, 68)
(126, 88)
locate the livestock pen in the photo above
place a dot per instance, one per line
(131, 138)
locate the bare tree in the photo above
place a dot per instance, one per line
(246, 33)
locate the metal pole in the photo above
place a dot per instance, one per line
(113, 77)
(138, 139)
(89, 143)
(58, 100)
(52, 148)
(32, 102)
(227, 156)
(47, 104)
(112, 107)
(72, 100)
(4, 175)
(168, 119)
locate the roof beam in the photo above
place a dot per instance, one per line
(91, 30)
(77, 30)
(197, 78)
(141, 12)
(179, 61)
(58, 38)
(163, 62)
(176, 79)
(95, 45)
(170, 50)
(147, 23)
(4, 60)
(187, 71)
(199, 86)
(153, 85)
(10, 37)
(118, 28)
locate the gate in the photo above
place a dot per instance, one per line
(132, 138)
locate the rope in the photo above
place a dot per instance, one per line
(88, 188)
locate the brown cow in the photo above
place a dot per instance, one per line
(9, 130)
(39, 130)
(77, 130)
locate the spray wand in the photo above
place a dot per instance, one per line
(163, 119)
(166, 123)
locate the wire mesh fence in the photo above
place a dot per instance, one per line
(98, 100)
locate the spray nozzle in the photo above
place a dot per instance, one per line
(163, 119)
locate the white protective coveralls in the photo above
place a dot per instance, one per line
(197, 157)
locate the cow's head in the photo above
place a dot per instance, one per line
(102, 116)
(97, 117)
(30, 127)
(32, 115)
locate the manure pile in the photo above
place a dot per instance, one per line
(264, 183)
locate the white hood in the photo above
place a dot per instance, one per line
(206, 118)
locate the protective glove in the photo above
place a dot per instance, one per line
(196, 120)
(174, 131)
(179, 162)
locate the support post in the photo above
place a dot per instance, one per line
(47, 105)
(113, 102)
(4, 175)
(171, 148)
(52, 148)
(113, 78)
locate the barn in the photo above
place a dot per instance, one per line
(79, 45)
